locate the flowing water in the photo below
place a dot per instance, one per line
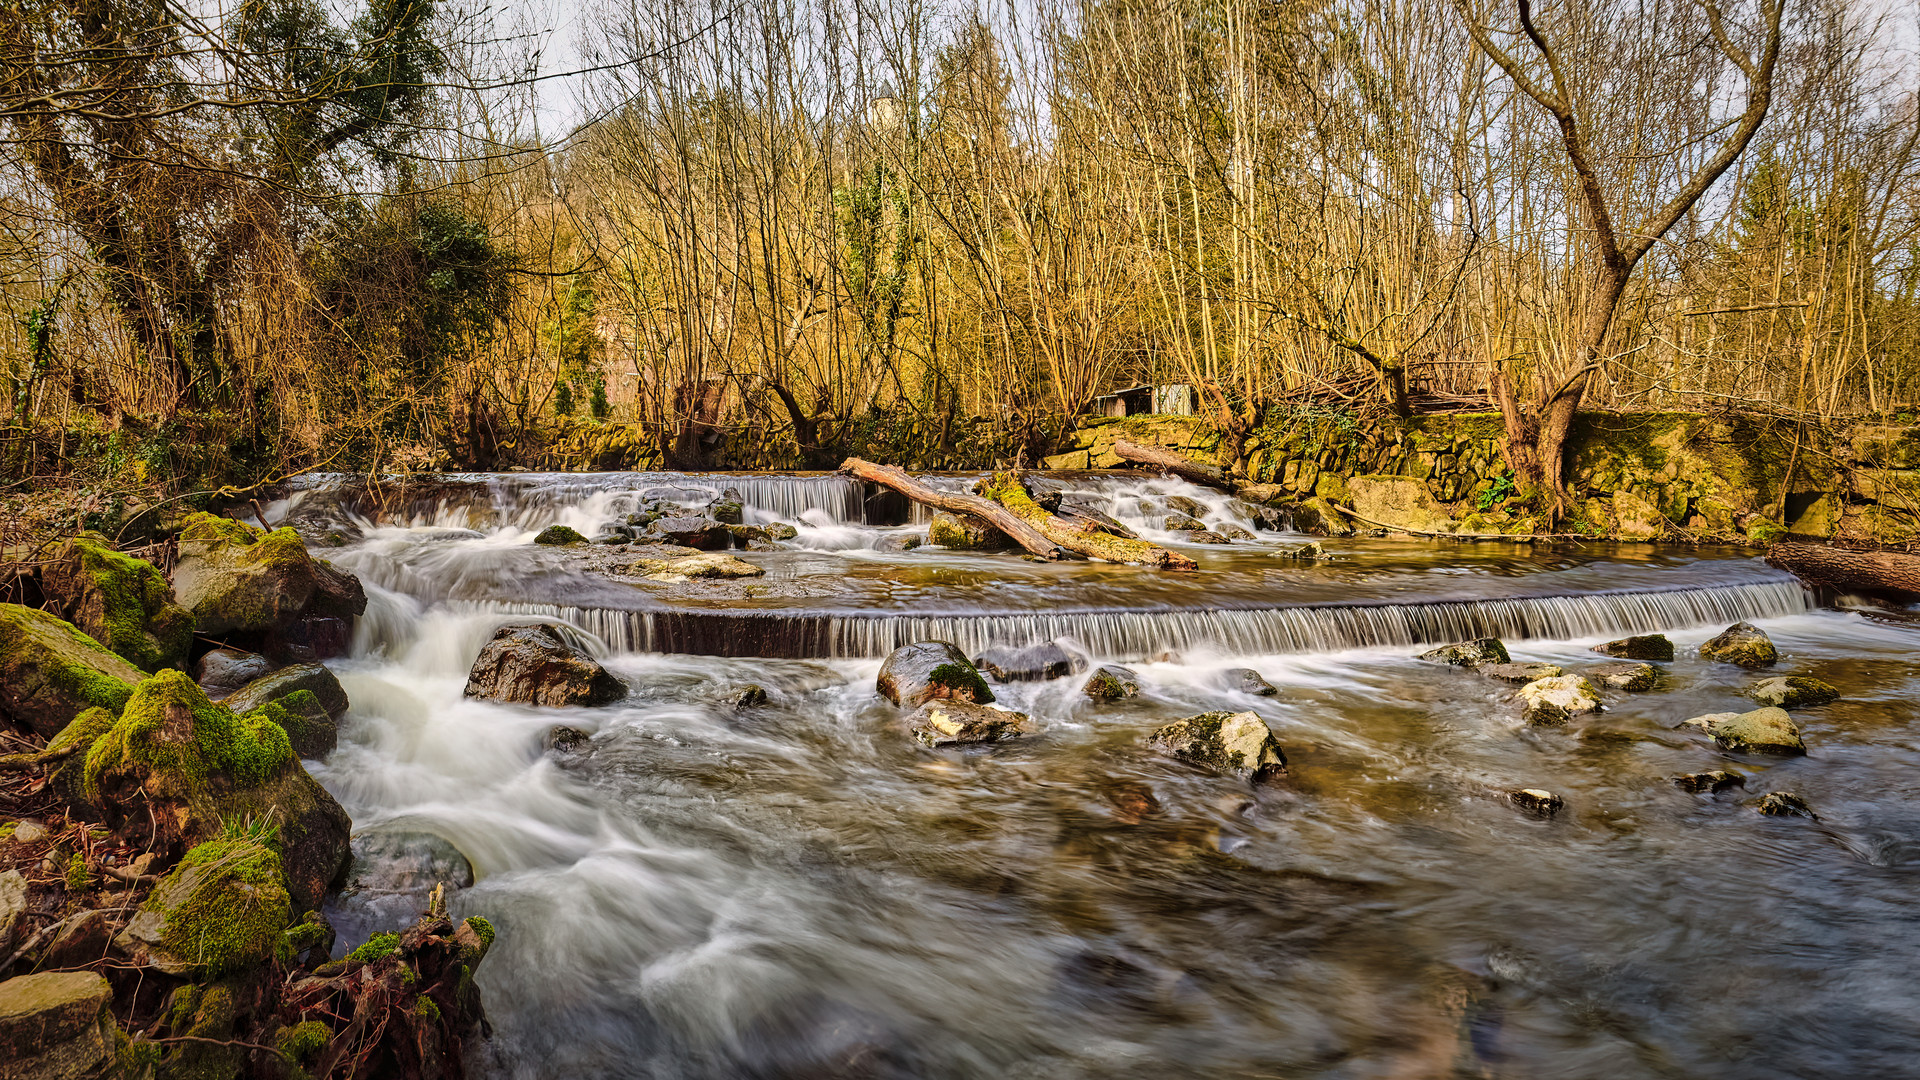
(797, 890)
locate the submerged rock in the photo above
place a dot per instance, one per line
(1742, 644)
(1520, 674)
(531, 664)
(1643, 647)
(122, 602)
(1182, 523)
(1231, 744)
(1248, 681)
(749, 696)
(1785, 804)
(930, 670)
(1111, 682)
(50, 672)
(964, 532)
(1628, 676)
(1029, 663)
(1206, 536)
(225, 670)
(559, 536)
(56, 1025)
(1793, 692)
(950, 722)
(1312, 551)
(1536, 801)
(1556, 700)
(710, 565)
(1469, 653)
(566, 740)
(1762, 731)
(896, 542)
(1709, 783)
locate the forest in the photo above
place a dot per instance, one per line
(282, 236)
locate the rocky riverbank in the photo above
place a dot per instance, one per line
(165, 853)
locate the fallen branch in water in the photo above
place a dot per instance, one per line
(896, 479)
(1085, 536)
(1891, 574)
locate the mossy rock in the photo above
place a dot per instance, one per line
(122, 602)
(197, 765)
(559, 536)
(1762, 731)
(236, 578)
(1520, 674)
(1399, 502)
(1793, 692)
(953, 722)
(1643, 647)
(306, 700)
(1316, 516)
(1229, 743)
(1743, 645)
(1111, 682)
(1628, 675)
(50, 672)
(1553, 701)
(221, 910)
(924, 671)
(1470, 654)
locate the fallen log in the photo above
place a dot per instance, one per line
(1169, 462)
(1085, 537)
(1894, 575)
(1017, 528)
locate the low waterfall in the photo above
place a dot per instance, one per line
(1127, 634)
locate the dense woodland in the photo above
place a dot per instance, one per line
(283, 236)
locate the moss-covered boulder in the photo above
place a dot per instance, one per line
(1554, 701)
(55, 1025)
(122, 602)
(1793, 692)
(1471, 654)
(236, 578)
(559, 536)
(952, 722)
(924, 671)
(1762, 731)
(195, 765)
(964, 532)
(1742, 644)
(1520, 674)
(1642, 647)
(531, 664)
(1231, 744)
(50, 672)
(1111, 682)
(221, 910)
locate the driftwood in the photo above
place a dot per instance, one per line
(1894, 575)
(1016, 528)
(1086, 537)
(1170, 462)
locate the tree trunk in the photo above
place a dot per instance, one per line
(895, 478)
(1169, 462)
(1086, 537)
(1894, 575)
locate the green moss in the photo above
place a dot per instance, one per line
(131, 603)
(172, 729)
(427, 1011)
(59, 649)
(1764, 532)
(554, 535)
(377, 947)
(482, 929)
(303, 1040)
(240, 549)
(310, 932)
(223, 906)
(78, 880)
(961, 677)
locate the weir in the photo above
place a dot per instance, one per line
(1123, 634)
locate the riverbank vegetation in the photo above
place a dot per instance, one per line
(287, 236)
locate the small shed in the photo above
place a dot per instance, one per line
(1176, 399)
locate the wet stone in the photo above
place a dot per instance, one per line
(1742, 644)
(1793, 692)
(1784, 804)
(1231, 744)
(1536, 801)
(1183, 505)
(1520, 674)
(703, 533)
(897, 542)
(1207, 536)
(1111, 682)
(1248, 681)
(1643, 647)
(1554, 701)
(924, 671)
(558, 535)
(229, 669)
(1030, 663)
(711, 565)
(747, 697)
(1469, 653)
(1762, 731)
(532, 664)
(1312, 551)
(1627, 676)
(567, 740)
(1182, 523)
(949, 723)
(1710, 782)
(1235, 532)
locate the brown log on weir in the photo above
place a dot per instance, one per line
(1086, 537)
(1170, 462)
(1894, 575)
(896, 478)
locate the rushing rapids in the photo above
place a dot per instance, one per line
(696, 888)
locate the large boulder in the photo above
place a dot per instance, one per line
(1556, 700)
(924, 671)
(946, 722)
(1642, 647)
(123, 603)
(1793, 692)
(55, 1025)
(312, 699)
(1762, 731)
(50, 672)
(1029, 663)
(1398, 502)
(234, 577)
(220, 911)
(1742, 644)
(964, 532)
(531, 664)
(1231, 744)
(1470, 654)
(186, 768)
